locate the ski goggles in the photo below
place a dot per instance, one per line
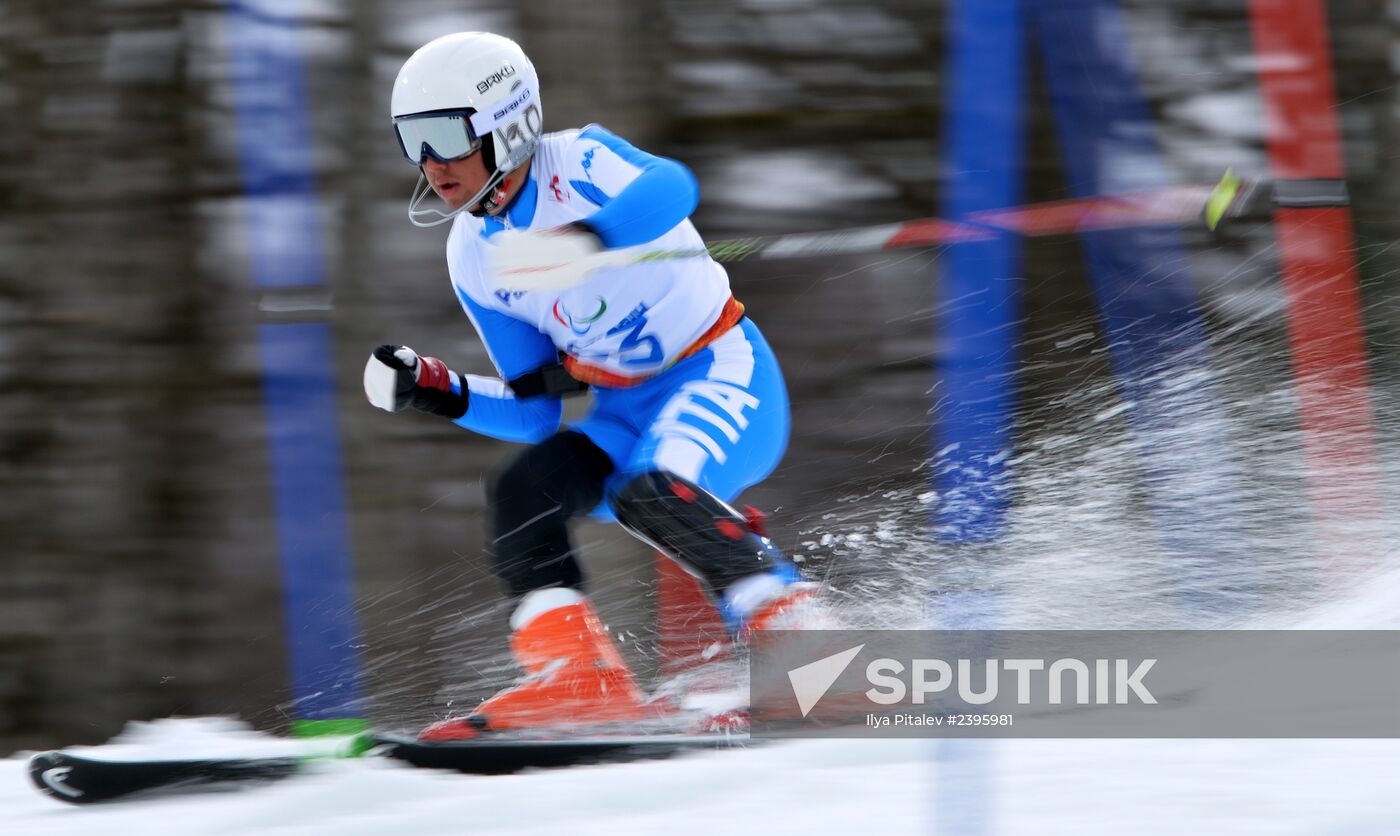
(447, 135)
(444, 135)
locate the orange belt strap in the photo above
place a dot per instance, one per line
(597, 376)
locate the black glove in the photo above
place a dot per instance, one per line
(396, 377)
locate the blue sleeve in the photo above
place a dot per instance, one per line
(493, 410)
(516, 348)
(640, 200)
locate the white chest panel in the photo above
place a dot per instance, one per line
(629, 320)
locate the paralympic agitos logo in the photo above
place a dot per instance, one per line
(495, 78)
(579, 324)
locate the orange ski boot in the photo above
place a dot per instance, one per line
(791, 609)
(574, 673)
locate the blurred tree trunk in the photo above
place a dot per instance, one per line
(600, 62)
(117, 358)
(125, 487)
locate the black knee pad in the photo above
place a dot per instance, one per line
(693, 526)
(533, 498)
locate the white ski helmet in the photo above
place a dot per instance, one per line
(461, 93)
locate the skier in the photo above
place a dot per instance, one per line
(689, 406)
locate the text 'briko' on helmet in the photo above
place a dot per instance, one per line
(461, 94)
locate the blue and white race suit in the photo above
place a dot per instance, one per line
(717, 416)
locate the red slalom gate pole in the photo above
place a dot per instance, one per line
(1317, 245)
(688, 624)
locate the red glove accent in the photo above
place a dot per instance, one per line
(433, 374)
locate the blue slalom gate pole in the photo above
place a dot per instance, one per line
(979, 310)
(284, 240)
(1148, 302)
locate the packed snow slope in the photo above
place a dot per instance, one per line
(1040, 787)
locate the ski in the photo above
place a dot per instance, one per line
(85, 779)
(79, 779)
(502, 754)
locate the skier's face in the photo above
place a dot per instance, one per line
(458, 181)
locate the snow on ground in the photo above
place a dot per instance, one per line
(1080, 787)
(1040, 787)
(807, 787)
